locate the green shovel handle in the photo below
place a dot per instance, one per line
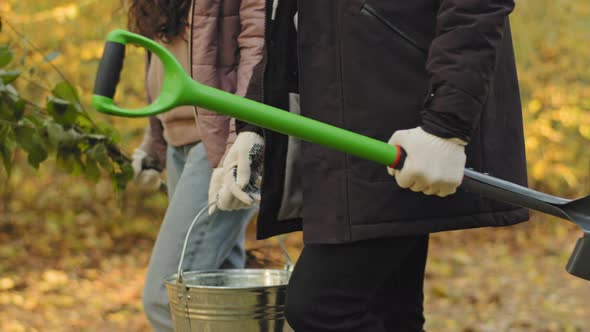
(176, 85)
(178, 88)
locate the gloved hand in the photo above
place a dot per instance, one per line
(145, 178)
(433, 165)
(236, 183)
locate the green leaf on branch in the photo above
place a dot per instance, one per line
(9, 91)
(28, 139)
(5, 131)
(62, 159)
(19, 109)
(62, 111)
(11, 110)
(84, 122)
(68, 159)
(71, 138)
(6, 154)
(92, 172)
(5, 55)
(100, 154)
(7, 147)
(97, 137)
(66, 91)
(123, 177)
(8, 76)
(108, 131)
(77, 161)
(34, 119)
(55, 132)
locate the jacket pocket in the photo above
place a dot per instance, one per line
(384, 80)
(403, 32)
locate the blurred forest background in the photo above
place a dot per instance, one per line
(74, 245)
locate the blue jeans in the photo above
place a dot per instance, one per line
(215, 242)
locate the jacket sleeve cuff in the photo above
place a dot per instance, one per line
(450, 112)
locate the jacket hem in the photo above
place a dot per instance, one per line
(387, 229)
(264, 231)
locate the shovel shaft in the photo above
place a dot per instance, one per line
(295, 125)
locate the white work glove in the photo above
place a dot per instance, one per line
(433, 165)
(145, 179)
(236, 183)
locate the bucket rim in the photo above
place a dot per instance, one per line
(172, 279)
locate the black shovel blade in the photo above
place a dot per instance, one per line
(579, 262)
(576, 211)
(579, 212)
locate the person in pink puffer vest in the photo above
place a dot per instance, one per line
(218, 43)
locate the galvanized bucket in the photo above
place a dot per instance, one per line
(233, 300)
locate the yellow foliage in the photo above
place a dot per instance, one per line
(91, 50)
(555, 85)
(59, 14)
(568, 116)
(585, 131)
(534, 106)
(532, 143)
(6, 284)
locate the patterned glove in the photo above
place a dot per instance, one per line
(148, 179)
(433, 166)
(236, 183)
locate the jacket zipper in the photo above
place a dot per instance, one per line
(368, 10)
(265, 47)
(274, 6)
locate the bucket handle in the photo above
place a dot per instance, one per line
(179, 279)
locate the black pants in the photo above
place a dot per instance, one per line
(372, 285)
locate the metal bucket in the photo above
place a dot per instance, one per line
(250, 300)
(233, 300)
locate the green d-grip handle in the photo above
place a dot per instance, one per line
(178, 88)
(176, 84)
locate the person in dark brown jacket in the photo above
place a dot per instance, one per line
(438, 75)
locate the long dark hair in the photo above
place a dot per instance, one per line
(158, 19)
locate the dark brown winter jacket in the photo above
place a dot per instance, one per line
(374, 67)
